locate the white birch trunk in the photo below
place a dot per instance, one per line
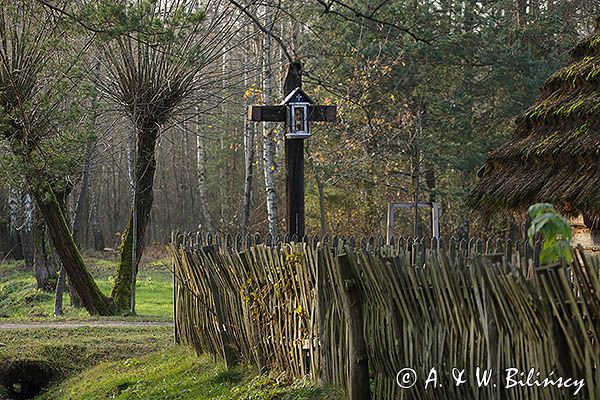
(269, 139)
(131, 159)
(201, 170)
(27, 242)
(14, 205)
(20, 222)
(223, 172)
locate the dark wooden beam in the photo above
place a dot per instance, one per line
(266, 113)
(322, 113)
(277, 113)
(294, 164)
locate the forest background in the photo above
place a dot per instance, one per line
(424, 89)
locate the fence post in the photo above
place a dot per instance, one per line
(358, 381)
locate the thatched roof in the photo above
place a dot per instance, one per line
(554, 153)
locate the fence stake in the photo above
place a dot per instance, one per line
(175, 294)
(230, 350)
(358, 382)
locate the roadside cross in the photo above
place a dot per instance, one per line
(297, 111)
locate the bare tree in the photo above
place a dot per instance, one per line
(152, 76)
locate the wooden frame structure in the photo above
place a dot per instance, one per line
(435, 217)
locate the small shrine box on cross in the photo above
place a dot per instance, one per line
(297, 103)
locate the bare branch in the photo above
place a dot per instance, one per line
(371, 17)
(264, 29)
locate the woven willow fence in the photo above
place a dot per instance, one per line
(282, 308)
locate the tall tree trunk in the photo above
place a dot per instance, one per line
(45, 274)
(145, 168)
(95, 302)
(269, 138)
(249, 173)
(165, 198)
(115, 204)
(97, 231)
(82, 210)
(8, 239)
(416, 166)
(225, 128)
(249, 146)
(59, 292)
(131, 159)
(201, 170)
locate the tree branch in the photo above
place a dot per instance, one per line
(371, 17)
(264, 29)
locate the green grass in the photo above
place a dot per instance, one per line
(20, 299)
(177, 373)
(71, 351)
(123, 363)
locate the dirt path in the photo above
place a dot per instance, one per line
(82, 324)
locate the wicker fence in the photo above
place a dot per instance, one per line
(418, 248)
(296, 308)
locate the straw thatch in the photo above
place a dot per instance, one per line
(553, 153)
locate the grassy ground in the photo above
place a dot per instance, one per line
(176, 373)
(65, 352)
(117, 363)
(20, 300)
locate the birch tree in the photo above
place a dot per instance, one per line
(249, 134)
(201, 171)
(269, 135)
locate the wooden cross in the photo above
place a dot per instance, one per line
(294, 148)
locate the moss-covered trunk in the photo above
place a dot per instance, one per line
(145, 167)
(93, 299)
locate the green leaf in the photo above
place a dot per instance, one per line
(556, 232)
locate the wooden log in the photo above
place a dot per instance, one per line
(358, 381)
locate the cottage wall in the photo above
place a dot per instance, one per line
(584, 236)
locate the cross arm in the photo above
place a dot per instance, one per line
(322, 113)
(266, 113)
(277, 113)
